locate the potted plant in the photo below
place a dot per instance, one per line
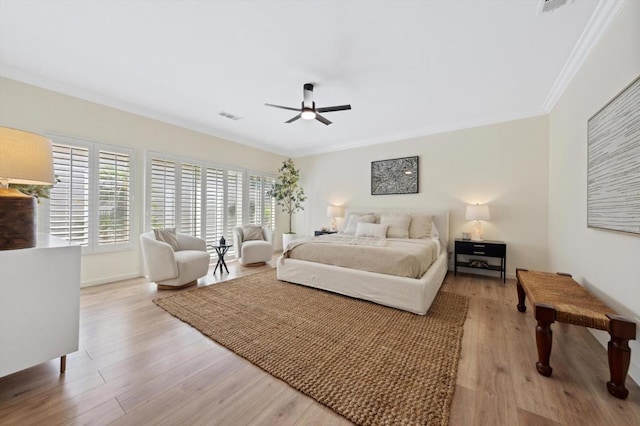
(288, 194)
(37, 191)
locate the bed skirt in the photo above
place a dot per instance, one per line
(408, 294)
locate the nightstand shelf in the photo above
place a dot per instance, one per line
(483, 249)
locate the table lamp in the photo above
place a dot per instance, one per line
(333, 212)
(25, 158)
(478, 212)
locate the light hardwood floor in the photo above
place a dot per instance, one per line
(139, 365)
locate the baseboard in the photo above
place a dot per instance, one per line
(494, 274)
(110, 279)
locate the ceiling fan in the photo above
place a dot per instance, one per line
(309, 110)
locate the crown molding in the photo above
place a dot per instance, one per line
(598, 24)
(68, 90)
(419, 133)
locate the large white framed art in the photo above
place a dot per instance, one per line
(613, 164)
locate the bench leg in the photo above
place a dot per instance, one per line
(545, 315)
(620, 330)
(521, 297)
(521, 294)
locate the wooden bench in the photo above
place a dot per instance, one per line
(557, 297)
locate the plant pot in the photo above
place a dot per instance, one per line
(286, 239)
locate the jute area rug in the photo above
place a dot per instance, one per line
(371, 364)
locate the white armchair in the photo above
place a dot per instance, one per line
(172, 269)
(255, 250)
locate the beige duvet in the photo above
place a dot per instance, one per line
(393, 256)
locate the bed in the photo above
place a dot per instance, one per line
(413, 294)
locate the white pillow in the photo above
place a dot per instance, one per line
(398, 225)
(421, 226)
(353, 222)
(434, 231)
(374, 230)
(252, 233)
(167, 235)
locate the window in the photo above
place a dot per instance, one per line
(114, 198)
(162, 193)
(190, 200)
(91, 202)
(205, 200)
(214, 206)
(261, 206)
(69, 198)
(234, 201)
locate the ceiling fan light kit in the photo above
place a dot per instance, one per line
(308, 114)
(308, 111)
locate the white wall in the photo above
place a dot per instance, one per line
(607, 263)
(30, 108)
(504, 165)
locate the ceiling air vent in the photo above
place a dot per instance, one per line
(230, 116)
(551, 5)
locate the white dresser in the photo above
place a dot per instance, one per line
(39, 304)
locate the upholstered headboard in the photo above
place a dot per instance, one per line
(440, 218)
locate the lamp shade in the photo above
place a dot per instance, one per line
(478, 212)
(25, 157)
(335, 211)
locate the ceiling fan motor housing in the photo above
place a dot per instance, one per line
(307, 94)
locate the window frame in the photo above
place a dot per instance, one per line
(93, 233)
(150, 156)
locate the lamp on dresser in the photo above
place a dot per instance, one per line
(333, 212)
(25, 158)
(478, 213)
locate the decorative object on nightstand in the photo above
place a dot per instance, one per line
(333, 212)
(323, 232)
(496, 249)
(25, 158)
(478, 212)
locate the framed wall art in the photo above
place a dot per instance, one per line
(613, 164)
(395, 176)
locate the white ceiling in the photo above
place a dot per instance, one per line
(408, 68)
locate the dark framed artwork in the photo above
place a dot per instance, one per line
(395, 176)
(613, 163)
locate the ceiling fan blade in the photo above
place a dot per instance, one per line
(334, 108)
(293, 119)
(283, 107)
(322, 119)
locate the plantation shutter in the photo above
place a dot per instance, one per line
(69, 198)
(255, 200)
(114, 199)
(234, 203)
(191, 200)
(215, 206)
(163, 193)
(268, 204)
(261, 206)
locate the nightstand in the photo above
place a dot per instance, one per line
(471, 248)
(317, 233)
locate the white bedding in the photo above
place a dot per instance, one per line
(409, 294)
(402, 257)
